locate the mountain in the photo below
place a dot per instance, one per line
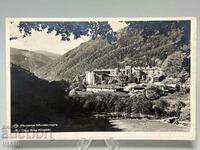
(30, 60)
(48, 54)
(34, 100)
(143, 44)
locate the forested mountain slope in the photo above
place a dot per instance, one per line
(30, 60)
(141, 44)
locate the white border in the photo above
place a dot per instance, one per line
(191, 135)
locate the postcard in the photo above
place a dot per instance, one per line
(100, 78)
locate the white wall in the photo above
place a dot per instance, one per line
(96, 8)
(100, 90)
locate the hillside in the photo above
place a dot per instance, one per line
(34, 100)
(48, 54)
(30, 60)
(140, 45)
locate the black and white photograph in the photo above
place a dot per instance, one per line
(127, 78)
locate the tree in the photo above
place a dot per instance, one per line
(100, 106)
(178, 106)
(160, 108)
(141, 105)
(65, 29)
(88, 105)
(185, 113)
(123, 78)
(175, 63)
(153, 92)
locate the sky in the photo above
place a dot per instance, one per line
(41, 41)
